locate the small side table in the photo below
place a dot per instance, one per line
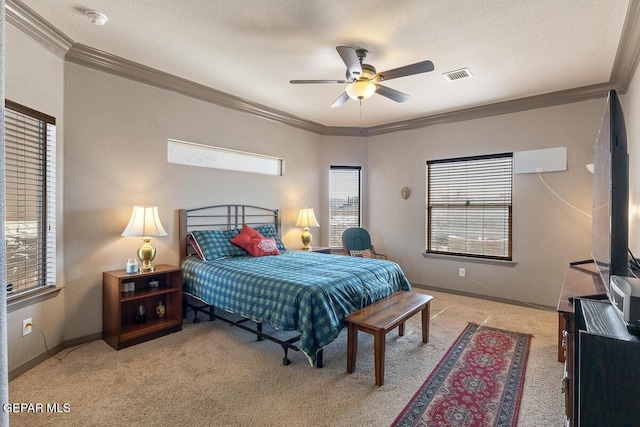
(124, 294)
(319, 249)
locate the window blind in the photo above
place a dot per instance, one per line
(344, 201)
(30, 182)
(469, 210)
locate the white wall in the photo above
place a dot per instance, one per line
(547, 234)
(340, 151)
(116, 133)
(35, 78)
(631, 109)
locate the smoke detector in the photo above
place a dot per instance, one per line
(96, 18)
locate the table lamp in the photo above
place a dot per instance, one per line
(306, 219)
(145, 223)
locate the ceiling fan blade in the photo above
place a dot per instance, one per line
(350, 58)
(392, 94)
(340, 101)
(407, 70)
(304, 82)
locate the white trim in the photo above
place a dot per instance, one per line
(33, 25)
(206, 156)
(36, 27)
(471, 259)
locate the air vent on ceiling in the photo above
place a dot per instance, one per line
(462, 73)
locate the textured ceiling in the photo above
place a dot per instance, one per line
(251, 49)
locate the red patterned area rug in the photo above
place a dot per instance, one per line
(477, 383)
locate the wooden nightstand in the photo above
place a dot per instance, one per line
(121, 326)
(320, 249)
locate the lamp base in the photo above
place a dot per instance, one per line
(146, 268)
(306, 239)
(146, 254)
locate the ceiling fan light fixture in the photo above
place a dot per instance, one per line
(360, 89)
(362, 79)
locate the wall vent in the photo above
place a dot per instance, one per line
(462, 73)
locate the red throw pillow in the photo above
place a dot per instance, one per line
(263, 247)
(243, 239)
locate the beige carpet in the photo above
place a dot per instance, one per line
(212, 374)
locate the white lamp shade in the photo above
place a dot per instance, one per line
(360, 89)
(306, 218)
(144, 222)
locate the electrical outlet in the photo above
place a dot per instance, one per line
(26, 326)
(461, 272)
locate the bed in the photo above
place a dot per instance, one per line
(302, 291)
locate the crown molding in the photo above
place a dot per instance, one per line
(628, 53)
(103, 61)
(23, 18)
(521, 104)
(33, 25)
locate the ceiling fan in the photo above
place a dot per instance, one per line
(362, 79)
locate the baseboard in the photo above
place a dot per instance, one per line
(82, 340)
(485, 297)
(35, 361)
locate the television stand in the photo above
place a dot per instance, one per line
(579, 280)
(607, 379)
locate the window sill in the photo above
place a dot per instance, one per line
(16, 302)
(456, 258)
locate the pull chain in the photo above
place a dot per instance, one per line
(360, 116)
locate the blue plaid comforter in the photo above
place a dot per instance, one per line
(307, 292)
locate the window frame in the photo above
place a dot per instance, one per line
(43, 166)
(333, 243)
(494, 205)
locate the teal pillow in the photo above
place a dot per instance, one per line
(269, 231)
(216, 244)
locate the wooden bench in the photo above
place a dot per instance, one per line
(381, 317)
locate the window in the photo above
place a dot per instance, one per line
(206, 156)
(469, 210)
(344, 201)
(29, 199)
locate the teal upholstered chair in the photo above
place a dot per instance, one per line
(357, 242)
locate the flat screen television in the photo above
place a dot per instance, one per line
(610, 222)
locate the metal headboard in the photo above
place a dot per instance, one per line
(221, 217)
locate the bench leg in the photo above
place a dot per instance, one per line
(401, 329)
(425, 322)
(352, 347)
(378, 343)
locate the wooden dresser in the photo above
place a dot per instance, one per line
(579, 281)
